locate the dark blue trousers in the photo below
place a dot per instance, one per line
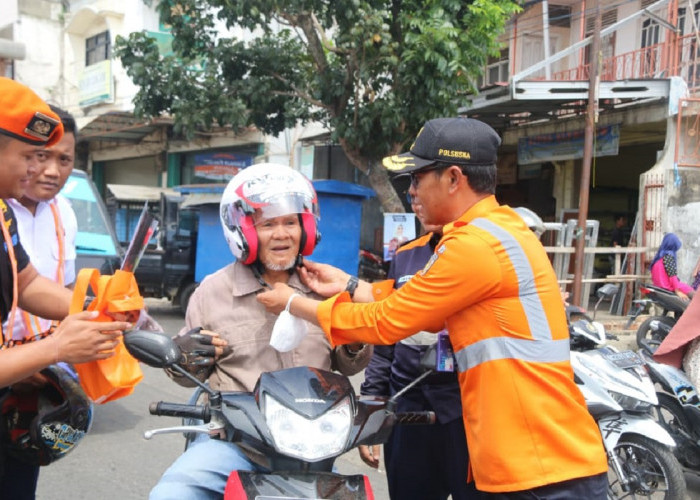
(428, 462)
(590, 488)
(18, 480)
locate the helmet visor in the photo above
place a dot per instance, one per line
(268, 206)
(284, 204)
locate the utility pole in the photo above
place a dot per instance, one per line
(591, 120)
(545, 38)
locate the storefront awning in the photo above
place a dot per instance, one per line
(120, 127)
(196, 199)
(528, 102)
(129, 192)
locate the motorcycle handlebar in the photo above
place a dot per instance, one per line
(179, 410)
(415, 417)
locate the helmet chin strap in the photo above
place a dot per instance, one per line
(258, 269)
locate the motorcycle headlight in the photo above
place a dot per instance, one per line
(308, 439)
(630, 403)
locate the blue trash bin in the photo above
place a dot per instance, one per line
(341, 221)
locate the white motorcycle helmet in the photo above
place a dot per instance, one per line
(532, 220)
(275, 190)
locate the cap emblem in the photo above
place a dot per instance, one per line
(41, 126)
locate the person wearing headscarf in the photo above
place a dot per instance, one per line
(664, 267)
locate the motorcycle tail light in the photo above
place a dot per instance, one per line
(308, 439)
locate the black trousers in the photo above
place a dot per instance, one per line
(588, 488)
(17, 480)
(428, 462)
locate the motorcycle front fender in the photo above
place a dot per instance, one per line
(296, 486)
(612, 428)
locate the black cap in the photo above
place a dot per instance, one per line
(457, 141)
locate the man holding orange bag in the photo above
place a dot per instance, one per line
(27, 124)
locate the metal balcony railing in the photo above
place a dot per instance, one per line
(655, 61)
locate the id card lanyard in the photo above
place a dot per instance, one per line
(31, 322)
(15, 293)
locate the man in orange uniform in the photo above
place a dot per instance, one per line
(491, 284)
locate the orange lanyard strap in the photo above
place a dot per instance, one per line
(13, 264)
(61, 238)
(31, 322)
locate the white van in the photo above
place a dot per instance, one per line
(96, 242)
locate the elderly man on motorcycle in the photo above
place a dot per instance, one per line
(269, 217)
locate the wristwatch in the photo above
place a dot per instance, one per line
(352, 285)
(353, 352)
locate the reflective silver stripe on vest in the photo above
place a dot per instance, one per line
(542, 348)
(535, 351)
(530, 300)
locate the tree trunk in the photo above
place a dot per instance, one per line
(380, 182)
(378, 178)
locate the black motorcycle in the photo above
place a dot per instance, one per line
(678, 410)
(295, 423)
(655, 328)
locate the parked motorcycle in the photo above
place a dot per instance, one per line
(620, 396)
(655, 328)
(678, 410)
(371, 266)
(295, 423)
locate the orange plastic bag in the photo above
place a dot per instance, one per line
(108, 379)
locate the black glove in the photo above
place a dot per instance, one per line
(197, 352)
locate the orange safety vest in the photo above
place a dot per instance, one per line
(32, 327)
(491, 282)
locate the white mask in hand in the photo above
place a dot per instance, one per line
(288, 331)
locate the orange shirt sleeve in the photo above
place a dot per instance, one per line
(463, 270)
(382, 289)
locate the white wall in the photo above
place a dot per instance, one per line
(9, 12)
(40, 69)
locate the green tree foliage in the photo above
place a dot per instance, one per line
(372, 71)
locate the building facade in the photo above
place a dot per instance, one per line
(645, 149)
(535, 94)
(63, 50)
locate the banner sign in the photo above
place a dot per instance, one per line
(567, 145)
(220, 166)
(96, 84)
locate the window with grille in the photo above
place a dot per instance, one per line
(97, 48)
(608, 18)
(650, 33)
(686, 25)
(497, 70)
(607, 47)
(689, 52)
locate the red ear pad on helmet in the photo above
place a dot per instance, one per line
(308, 225)
(250, 240)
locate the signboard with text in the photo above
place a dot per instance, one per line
(220, 166)
(96, 84)
(567, 145)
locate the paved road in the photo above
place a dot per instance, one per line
(116, 463)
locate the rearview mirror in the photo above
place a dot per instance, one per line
(154, 349)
